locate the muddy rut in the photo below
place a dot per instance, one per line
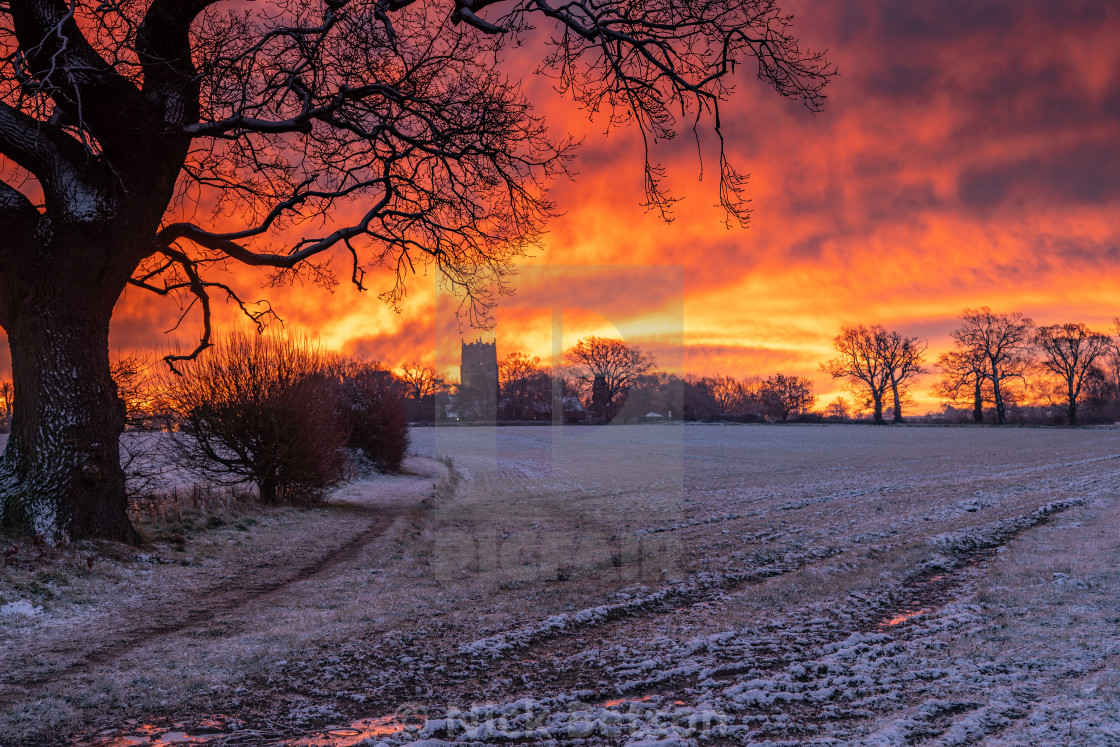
(547, 661)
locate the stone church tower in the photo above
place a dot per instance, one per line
(478, 377)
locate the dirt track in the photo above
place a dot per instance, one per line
(203, 599)
(165, 619)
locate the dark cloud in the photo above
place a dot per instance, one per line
(413, 340)
(945, 21)
(904, 80)
(1086, 174)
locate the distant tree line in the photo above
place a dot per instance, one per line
(1002, 368)
(603, 379)
(612, 380)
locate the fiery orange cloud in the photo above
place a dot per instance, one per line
(969, 155)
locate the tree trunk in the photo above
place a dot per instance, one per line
(268, 489)
(61, 475)
(978, 402)
(897, 403)
(878, 416)
(1073, 395)
(1001, 415)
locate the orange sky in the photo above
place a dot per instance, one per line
(969, 155)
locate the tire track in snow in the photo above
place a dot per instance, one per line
(824, 673)
(559, 641)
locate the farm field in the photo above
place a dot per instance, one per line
(696, 584)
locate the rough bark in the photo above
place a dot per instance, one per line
(61, 472)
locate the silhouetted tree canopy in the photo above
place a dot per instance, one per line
(148, 143)
(615, 363)
(1003, 342)
(1070, 352)
(873, 360)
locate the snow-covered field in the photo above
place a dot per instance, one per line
(623, 585)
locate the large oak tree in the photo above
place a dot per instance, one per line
(146, 141)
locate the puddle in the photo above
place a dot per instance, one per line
(346, 736)
(621, 701)
(150, 735)
(902, 617)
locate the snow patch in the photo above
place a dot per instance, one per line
(22, 607)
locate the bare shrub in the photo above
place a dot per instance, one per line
(262, 409)
(184, 503)
(373, 402)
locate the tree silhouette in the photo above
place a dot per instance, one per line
(421, 380)
(963, 379)
(903, 357)
(1003, 342)
(612, 365)
(146, 143)
(782, 395)
(734, 398)
(837, 409)
(873, 360)
(526, 385)
(1070, 352)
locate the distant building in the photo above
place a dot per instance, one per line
(478, 377)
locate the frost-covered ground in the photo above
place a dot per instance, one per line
(629, 585)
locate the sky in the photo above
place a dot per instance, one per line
(968, 155)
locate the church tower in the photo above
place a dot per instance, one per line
(478, 377)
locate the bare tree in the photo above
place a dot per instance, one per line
(1110, 363)
(837, 409)
(783, 395)
(963, 380)
(609, 364)
(904, 358)
(861, 362)
(146, 142)
(372, 402)
(873, 359)
(1003, 342)
(1070, 352)
(698, 404)
(735, 398)
(421, 380)
(526, 386)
